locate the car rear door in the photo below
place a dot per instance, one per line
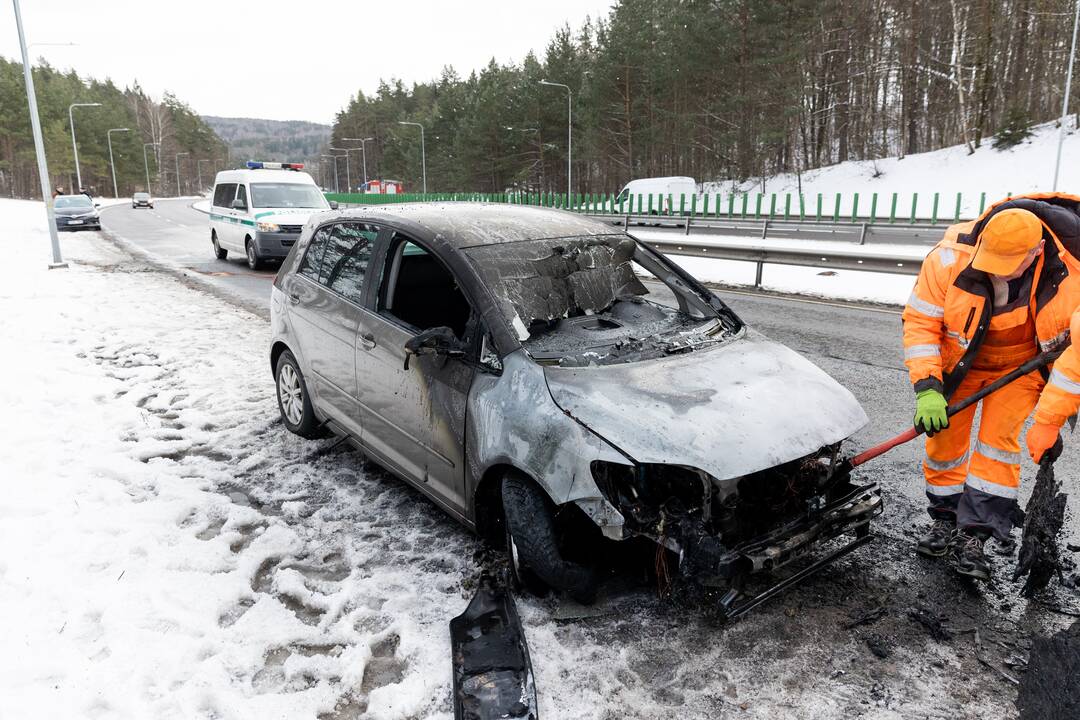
(223, 216)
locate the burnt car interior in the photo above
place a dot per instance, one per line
(418, 290)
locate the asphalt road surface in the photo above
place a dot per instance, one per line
(857, 637)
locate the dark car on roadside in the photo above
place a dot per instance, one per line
(552, 382)
(76, 212)
(141, 199)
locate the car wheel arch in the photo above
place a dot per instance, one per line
(488, 517)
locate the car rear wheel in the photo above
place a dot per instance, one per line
(294, 403)
(219, 252)
(253, 260)
(536, 562)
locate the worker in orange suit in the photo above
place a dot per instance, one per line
(993, 294)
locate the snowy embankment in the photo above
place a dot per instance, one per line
(1028, 167)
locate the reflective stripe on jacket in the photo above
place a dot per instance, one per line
(948, 314)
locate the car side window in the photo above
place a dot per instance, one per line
(223, 195)
(309, 266)
(241, 194)
(345, 262)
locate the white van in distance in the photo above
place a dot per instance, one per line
(666, 192)
(260, 211)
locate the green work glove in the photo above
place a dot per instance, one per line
(930, 415)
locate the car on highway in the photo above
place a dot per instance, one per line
(141, 199)
(258, 211)
(542, 376)
(76, 212)
(659, 195)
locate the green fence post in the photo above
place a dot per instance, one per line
(787, 205)
(757, 205)
(855, 207)
(802, 206)
(693, 204)
(892, 212)
(819, 199)
(650, 203)
(914, 204)
(745, 201)
(682, 203)
(772, 205)
(717, 210)
(731, 206)
(957, 218)
(873, 208)
(933, 212)
(982, 202)
(836, 209)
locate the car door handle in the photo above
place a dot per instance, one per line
(294, 298)
(367, 340)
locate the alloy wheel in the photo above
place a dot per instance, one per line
(291, 394)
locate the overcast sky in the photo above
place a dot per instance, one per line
(296, 60)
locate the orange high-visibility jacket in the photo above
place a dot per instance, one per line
(1060, 398)
(948, 314)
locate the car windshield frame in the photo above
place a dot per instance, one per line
(258, 188)
(73, 201)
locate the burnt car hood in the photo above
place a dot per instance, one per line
(731, 410)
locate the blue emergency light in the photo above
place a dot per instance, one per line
(253, 165)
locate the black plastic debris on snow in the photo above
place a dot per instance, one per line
(931, 622)
(1040, 556)
(493, 676)
(1050, 689)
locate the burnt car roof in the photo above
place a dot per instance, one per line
(466, 224)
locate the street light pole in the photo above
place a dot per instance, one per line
(337, 180)
(39, 144)
(146, 167)
(74, 145)
(363, 154)
(178, 172)
(198, 169)
(112, 163)
(1065, 100)
(423, 156)
(348, 173)
(569, 133)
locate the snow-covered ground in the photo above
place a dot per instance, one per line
(1028, 167)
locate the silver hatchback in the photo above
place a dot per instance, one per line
(550, 381)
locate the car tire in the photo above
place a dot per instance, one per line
(536, 561)
(219, 252)
(294, 402)
(253, 260)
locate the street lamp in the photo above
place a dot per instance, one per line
(423, 157)
(337, 183)
(1065, 100)
(146, 167)
(178, 172)
(348, 173)
(74, 146)
(198, 169)
(112, 163)
(363, 153)
(39, 145)
(569, 133)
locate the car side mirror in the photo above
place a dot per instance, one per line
(238, 204)
(97, 205)
(434, 341)
(333, 205)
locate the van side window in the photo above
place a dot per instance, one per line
(241, 194)
(224, 193)
(309, 266)
(346, 259)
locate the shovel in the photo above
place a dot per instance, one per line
(1030, 366)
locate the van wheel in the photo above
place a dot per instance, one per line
(536, 563)
(219, 252)
(294, 402)
(253, 260)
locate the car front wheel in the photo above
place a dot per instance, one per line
(294, 403)
(253, 260)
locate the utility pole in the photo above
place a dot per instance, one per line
(363, 154)
(112, 163)
(423, 156)
(569, 134)
(74, 145)
(1065, 100)
(348, 174)
(146, 167)
(178, 172)
(39, 144)
(337, 182)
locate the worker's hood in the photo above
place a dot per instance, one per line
(731, 410)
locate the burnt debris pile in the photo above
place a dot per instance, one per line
(1040, 556)
(1050, 689)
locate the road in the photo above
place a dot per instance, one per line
(806, 651)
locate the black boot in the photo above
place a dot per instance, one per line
(969, 557)
(938, 540)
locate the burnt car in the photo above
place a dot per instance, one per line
(530, 369)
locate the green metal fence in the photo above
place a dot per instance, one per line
(935, 208)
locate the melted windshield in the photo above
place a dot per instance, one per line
(287, 195)
(598, 300)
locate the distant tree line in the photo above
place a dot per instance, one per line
(169, 123)
(725, 89)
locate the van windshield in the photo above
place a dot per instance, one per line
(287, 195)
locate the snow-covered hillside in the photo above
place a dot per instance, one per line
(1028, 167)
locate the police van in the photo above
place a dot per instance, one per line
(259, 211)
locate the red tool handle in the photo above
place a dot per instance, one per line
(1030, 366)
